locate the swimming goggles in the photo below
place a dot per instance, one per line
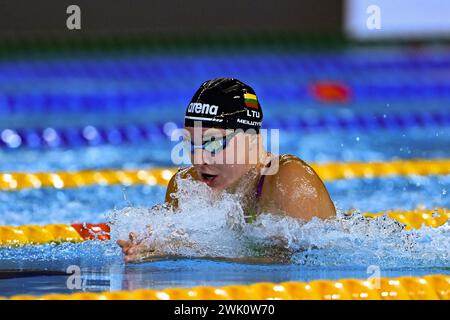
(215, 145)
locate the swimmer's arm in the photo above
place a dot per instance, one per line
(185, 173)
(298, 192)
(137, 251)
(245, 260)
(172, 188)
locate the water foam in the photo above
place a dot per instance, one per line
(205, 224)
(208, 224)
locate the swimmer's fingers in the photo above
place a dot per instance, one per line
(132, 257)
(132, 236)
(138, 253)
(125, 245)
(137, 257)
(128, 243)
(137, 250)
(134, 239)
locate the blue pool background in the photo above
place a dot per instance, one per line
(116, 93)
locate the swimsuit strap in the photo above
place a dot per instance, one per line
(253, 213)
(260, 186)
(261, 182)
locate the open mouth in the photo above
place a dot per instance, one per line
(208, 178)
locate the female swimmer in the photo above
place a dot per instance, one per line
(222, 124)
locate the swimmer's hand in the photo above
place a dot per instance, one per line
(134, 250)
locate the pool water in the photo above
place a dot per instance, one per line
(111, 91)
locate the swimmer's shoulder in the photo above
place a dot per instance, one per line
(288, 164)
(292, 170)
(289, 158)
(298, 189)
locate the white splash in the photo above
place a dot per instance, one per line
(207, 224)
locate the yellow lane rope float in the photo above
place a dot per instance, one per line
(430, 287)
(58, 233)
(161, 176)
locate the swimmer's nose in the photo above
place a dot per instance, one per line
(202, 157)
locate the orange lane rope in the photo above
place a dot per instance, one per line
(430, 287)
(161, 176)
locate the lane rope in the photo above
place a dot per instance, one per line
(79, 232)
(91, 135)
(161, 176)
(429, 287)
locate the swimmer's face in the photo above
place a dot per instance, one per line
(221, 162)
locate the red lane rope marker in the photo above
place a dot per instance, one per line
(91, 231)
(331, 92)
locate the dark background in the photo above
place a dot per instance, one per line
(170, 17)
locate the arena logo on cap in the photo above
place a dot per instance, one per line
(203, 108)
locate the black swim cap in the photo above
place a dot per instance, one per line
(225, 103)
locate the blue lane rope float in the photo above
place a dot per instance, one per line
(96, 135)
(137, 99)
(79, 136)
(143, 66)
(98, 83)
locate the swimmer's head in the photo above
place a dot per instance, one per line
(225, 103)
(223, 121)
